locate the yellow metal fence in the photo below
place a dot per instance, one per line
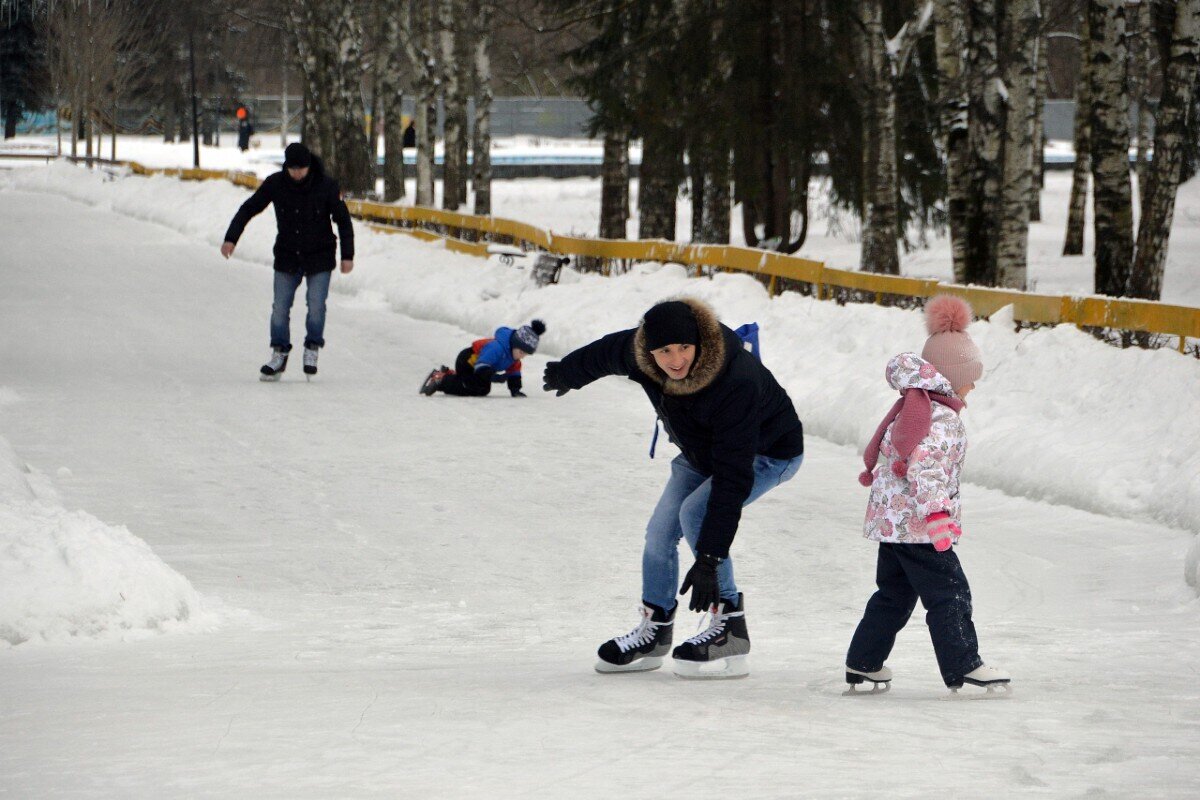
(470, 234)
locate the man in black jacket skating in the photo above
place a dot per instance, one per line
(305, 200)
(739, 436)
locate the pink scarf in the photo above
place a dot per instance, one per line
(915, 412)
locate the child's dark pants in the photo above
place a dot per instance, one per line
(904, 572)
(464, 382)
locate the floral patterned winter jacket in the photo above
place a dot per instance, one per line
(899, 506)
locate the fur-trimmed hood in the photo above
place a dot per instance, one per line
(711, 353)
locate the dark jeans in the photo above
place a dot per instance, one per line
(286, 284)
(904, 572)
(464, 382)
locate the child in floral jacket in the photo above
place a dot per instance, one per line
(914, 511)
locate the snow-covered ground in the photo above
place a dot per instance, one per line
(391, 595)
(572, 206)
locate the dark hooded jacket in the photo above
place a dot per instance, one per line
(305, 244)
(726, 411)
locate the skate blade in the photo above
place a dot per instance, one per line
(270, 378)
(882, 687)
(981, 691)
(720, 669)
(641, 665)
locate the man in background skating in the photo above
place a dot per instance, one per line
(305, 201)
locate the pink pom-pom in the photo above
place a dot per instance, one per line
(947, 313)
(866, 477)
(899, 469)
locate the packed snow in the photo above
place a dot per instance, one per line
(66, 575)
(397, 595)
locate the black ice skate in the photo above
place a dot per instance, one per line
(310, 360)
(719, 651)
(880, 679)
(996, 681)
(641, 649)
(273, 369)
(433, 381)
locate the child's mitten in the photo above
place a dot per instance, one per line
(942, 530)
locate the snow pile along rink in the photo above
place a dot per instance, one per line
(65, 575)
(1058, 416)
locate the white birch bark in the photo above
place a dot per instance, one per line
(481, 146)
(1154, 229)
(1021, 26)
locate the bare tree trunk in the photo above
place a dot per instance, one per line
(329, 41)
(1021, 27)
(658, 186)
(696, 181)
(394, 64)
(985, 131)
(283, 110)
(1082, 139)
(1039, 128)
(418, 37)
(880, 187)
(454, 101)
(1154, 229)
(1113, 201)
(614, 186)
(481, 168)
(393, 143)
(1139, 89)
(950, 37)
(714, 225)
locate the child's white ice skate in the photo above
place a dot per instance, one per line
(995, 681)
(881, 681)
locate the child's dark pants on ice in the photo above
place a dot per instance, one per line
(464, 382)
(904, 572)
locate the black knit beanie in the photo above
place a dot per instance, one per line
(670, 322)
(296, 155)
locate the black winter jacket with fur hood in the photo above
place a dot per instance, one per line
(726, 411)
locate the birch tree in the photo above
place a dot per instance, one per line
(1039, 128)
(1140, 40)
(395, 63)
(878, 103)
(418, 33)
(1109, 120)
(984, 133)
(329, 40)
(950, 38)
(481, 146)
(1179, 83)
(1082, 143)
(455, 77)
(1021, 27)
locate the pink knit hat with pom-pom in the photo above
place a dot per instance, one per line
(949, 348)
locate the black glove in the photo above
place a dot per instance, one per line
(552, 379)
(519, 393)
(702, 580)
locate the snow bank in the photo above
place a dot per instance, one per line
(65, 575)
(1058, 416)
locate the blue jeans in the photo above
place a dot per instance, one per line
(285, 292)
(679, 514)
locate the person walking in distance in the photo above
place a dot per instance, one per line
(305, 201)
(914, 510)
(739, 437)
